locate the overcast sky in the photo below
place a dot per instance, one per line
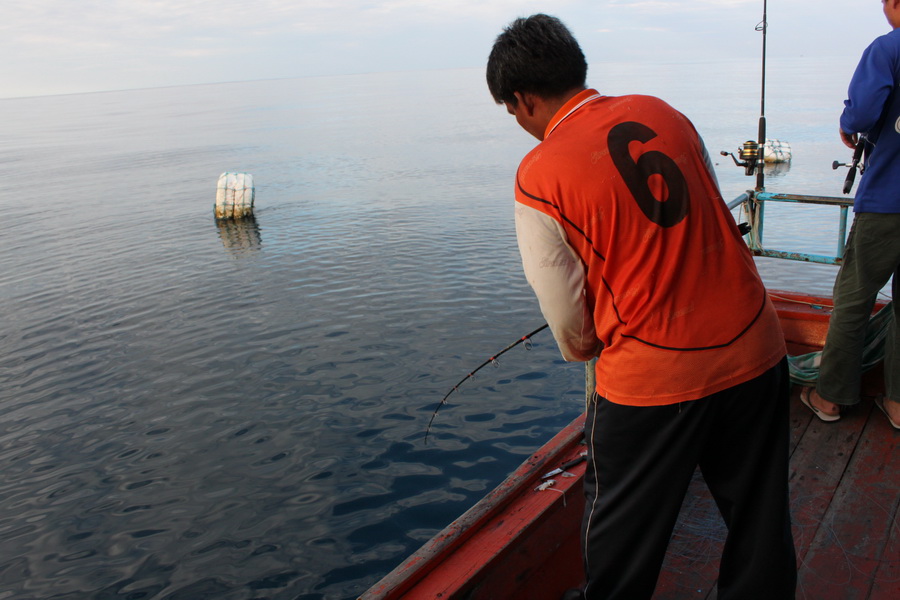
(68, 46)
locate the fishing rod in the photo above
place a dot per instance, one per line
(763, 26)
(491, 360)
(752, 153)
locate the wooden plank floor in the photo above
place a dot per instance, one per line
(845, 494)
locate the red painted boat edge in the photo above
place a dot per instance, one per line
(514, 489)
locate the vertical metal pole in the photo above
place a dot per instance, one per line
(842, 232)
(753, 206)
(759, 223)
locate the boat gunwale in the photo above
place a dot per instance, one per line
(429, 556)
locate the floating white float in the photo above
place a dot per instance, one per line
(234, 195)
(776, 151)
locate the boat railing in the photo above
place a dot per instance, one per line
(754, 203)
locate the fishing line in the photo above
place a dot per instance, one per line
(492, 360)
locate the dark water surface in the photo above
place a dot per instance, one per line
(192, 410)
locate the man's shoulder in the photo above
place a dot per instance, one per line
(889, 42)
(639, 107)
(632, 99)
(892, 36)
(880, 57)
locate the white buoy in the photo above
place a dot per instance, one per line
(234, 195)
(776, 151)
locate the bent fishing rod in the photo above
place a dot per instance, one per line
(491, 360)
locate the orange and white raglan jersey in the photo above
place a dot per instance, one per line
(631, 250)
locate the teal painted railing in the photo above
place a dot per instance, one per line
(754, 204)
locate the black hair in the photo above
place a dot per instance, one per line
(537, 55)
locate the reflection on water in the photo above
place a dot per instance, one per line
(239, 236)
(776, 171)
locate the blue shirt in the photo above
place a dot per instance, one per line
(874, 92)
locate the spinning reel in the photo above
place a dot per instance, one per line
(750, 154)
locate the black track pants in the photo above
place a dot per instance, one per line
(640, 462)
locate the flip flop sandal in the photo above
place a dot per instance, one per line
(804, 398)
(879, 402)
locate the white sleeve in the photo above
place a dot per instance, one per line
(556, 275)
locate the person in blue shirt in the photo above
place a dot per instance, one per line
(871, 116)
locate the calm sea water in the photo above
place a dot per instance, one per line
(192, 410)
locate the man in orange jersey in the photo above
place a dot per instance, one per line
(636, 260)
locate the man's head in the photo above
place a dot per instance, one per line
(892, 12)
(535, 55)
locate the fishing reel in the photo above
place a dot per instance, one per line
(856, 164)
(749, 154)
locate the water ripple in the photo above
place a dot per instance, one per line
(195, 409)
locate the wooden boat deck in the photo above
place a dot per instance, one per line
(524, 544)
(845, 494)
(845, 498)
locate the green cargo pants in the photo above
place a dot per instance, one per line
(872, 256)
